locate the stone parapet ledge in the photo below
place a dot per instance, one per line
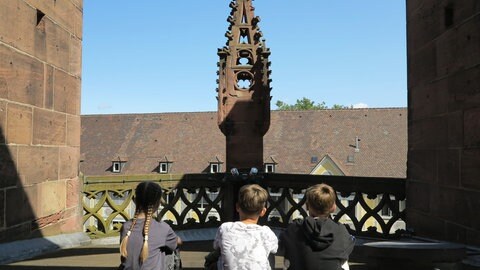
(26, 249)
(413, 254)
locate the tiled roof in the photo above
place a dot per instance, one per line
(191, 140)
(297, 136)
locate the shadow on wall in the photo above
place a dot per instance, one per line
(244, 126)
(17, 217)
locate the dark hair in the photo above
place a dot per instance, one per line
(147, 194)
(147, 199)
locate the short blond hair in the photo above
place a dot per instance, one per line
(252, 199)
(321, 198)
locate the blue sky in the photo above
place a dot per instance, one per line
(160, 56)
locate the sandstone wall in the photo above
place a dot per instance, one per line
(40, 74)
(443, 174)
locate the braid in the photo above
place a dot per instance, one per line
(147, 199)
(124, 243)
(146, 228)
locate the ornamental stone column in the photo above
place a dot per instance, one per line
(244, 88)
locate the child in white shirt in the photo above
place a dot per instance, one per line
(244, 244)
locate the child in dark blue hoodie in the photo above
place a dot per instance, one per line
(317, 242)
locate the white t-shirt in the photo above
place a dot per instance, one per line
(245, 246)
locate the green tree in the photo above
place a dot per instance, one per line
(306, 104)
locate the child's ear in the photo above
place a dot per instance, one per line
(333, 209)
(262, 213)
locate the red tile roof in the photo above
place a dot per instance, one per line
(192, 140)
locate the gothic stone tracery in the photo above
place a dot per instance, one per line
(244, 87)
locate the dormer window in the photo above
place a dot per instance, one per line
(165, 165)
(118, 163)
(214, 167)
(163, 168)
(117, 167)
(269, 167)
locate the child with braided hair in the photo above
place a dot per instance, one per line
(143, 239)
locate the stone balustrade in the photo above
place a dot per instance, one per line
(371, 207)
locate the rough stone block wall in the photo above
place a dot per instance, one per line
(40, 74)
(443, 188)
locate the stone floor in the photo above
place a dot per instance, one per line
(106, 258)
(88, 257)
(92, 258)
(103, 254)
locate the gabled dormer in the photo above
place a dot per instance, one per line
(270, 165)
(118, 163)
(215, 165)
(165, 165)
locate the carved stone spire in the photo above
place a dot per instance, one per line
(244, 87)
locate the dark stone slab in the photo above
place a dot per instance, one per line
(414, 255)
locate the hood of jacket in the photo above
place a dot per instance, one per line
(319, 232)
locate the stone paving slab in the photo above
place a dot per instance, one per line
(87, 257)
(92, 258)
(107, 258)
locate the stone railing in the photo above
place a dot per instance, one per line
(368, 206)
(371, 207)
(108, 201)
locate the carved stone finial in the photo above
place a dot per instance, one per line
(244, 98)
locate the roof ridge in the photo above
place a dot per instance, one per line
(206, 112)
(349, 109)
(133, 114)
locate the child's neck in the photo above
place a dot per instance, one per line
(141, 215)
(248, 219)
(320, 216)
(316, 214)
